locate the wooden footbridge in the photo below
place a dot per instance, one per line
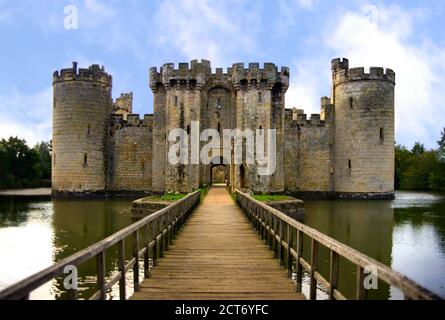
(217, 255)
(212, 250)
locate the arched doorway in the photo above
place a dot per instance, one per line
(219, 173)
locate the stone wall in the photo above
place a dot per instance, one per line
(81, 117)
(131, 144)
(308, 152)
(364, 129)
(347, 149)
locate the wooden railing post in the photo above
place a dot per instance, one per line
(269, 232)
(136, 262)
(100, 265)
(155, 242)
(261, 217)
(299, 270)
(281, 235)
(314, 261)
(121, 264)
(162, 229)
(289, 247)
(169, 229)
(333, 273)
(73, 294)
(362, 293)
(146, 254)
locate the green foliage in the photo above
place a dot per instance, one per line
(44, 150)
(418, 148)
(420, 169)
(402, 157)
(204, 190)
(168, 197)
(271, 197)
(21, 166)
(441, 143)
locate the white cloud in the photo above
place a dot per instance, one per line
(310, 80)
(419, 68)
(27, 116)
(207, 29)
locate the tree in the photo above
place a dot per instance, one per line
(417, 174)
(44, 151)
(20, 165)
(418, 148)
(401, 163)
(441, 143)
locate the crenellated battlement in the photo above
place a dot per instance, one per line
(94, 73)
(124, 103)
(297, 117)
(198, 74)
(342, 73)
(133, 120)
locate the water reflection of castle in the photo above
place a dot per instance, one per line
(79, 224)
(364, 226)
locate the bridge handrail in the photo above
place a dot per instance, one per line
(270, 223)
(164, 223)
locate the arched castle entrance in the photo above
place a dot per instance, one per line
(219, 171)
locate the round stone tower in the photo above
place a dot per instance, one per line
(81, 115)
(364, 131)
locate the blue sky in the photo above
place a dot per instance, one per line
(130, 36)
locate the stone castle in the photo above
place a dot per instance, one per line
(101, 147)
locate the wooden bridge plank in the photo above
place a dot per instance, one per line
(217, 255)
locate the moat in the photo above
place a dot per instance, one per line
(407, 234)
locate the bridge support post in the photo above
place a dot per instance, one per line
(136, 262)
(314, 260)
(121, 263)
(289, 254)
(299, 255)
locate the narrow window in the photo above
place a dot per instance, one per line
(176, 101)
(54, 159)
(382, 135)
(188, 129)
(143, 165)
(85, 159)
(218, 103)
(260, 97)
(351, 103)
(89, 130)
(349, 164)
(219, 127)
